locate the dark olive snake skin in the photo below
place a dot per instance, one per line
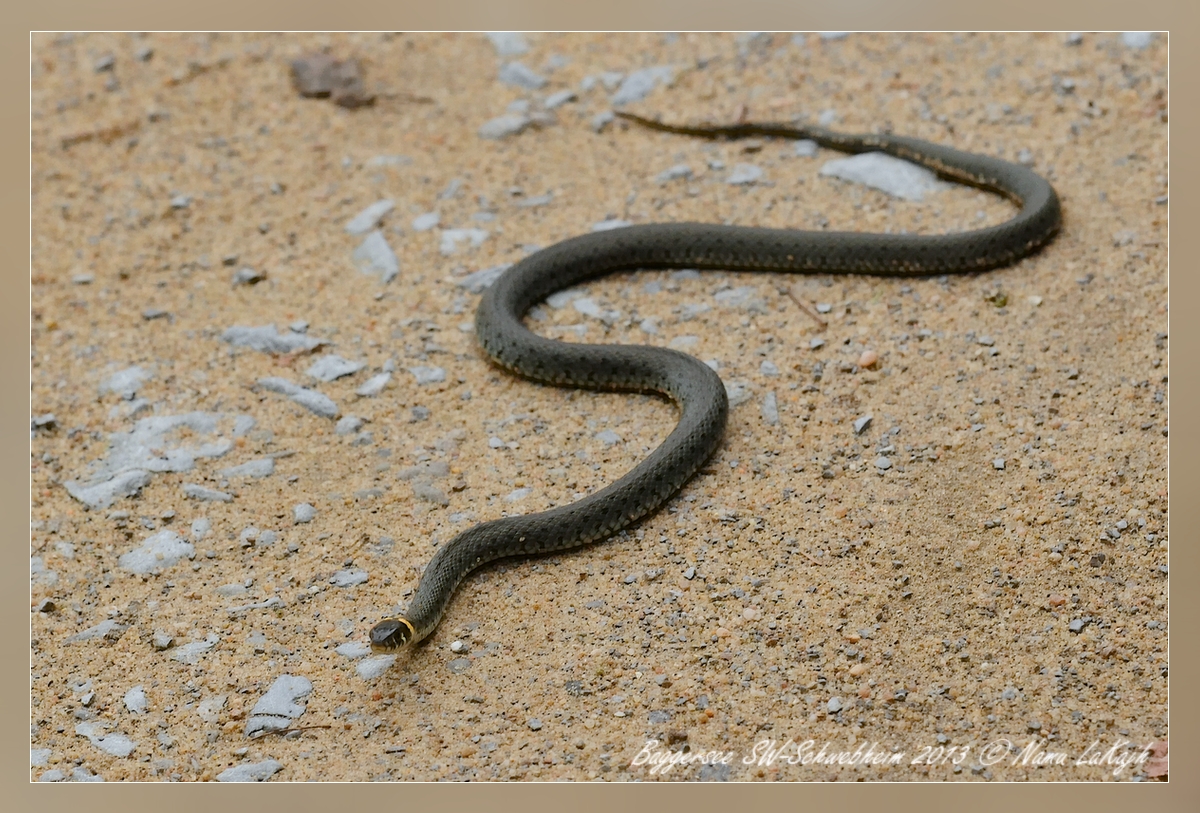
(688, 382)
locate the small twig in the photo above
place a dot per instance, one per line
(799, 304)
(813, 559)
(408, 97)
(282, 731)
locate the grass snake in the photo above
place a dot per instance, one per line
(691, 384)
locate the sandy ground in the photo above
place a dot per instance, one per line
(1002, 579)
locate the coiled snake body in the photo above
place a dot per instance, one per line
(690, 383)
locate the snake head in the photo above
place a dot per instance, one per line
(391, 635)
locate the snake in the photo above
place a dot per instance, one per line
(692, 385)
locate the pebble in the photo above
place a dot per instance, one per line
(986, 341)
(104, 494)
(353, 649)
(108, 628)
(161, 550)
(998, 464)
(518, 494)
(535, 724)
(191, 653)
(608, 437)
(369, 217)
(332, 367)
(638, 84)
(428, 375)
(426, 221)
(1137, 39)
(539, 200)
(459, 665)
(181, 201)
(118, 745)
(453, 239)
(47, 421)
(883, 463)
(805, 148)
(674, 173)
(248, 276)
(389, 161)
(280, 705)
(862, 423)
(738, 392)
(457, 647)
(478, 281)
(150, 314)
(509, 124)
(768, 368)
(834, 705)
(135, 700)
(267, 339)
(125, 383)
(868, 359)
(371, 668)
(311, 400)
(429, 493)
(209, 709)
(770, 409)
(894, 176)
(602, 120)
(259, 467)
(744, 174)
(374, 385)
(508, 43)
(745, 296)
(348, 578)
(607, 225)
(1078, 624)
(375, 257)
(348, 425)
(516, 73)
(559, 99)
(816, 344)
(251, 772)
(199, 492)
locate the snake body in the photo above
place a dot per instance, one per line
(691, 384)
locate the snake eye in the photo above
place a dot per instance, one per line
(390, 634)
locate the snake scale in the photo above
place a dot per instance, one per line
(691, 384)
